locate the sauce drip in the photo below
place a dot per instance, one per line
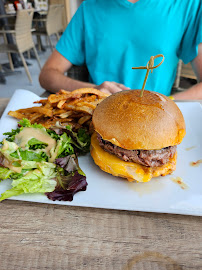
(9, 165)
(178, 180)
(190, 148)
(146, 188)
(196, 163)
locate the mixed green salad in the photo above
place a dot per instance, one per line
(40, 160)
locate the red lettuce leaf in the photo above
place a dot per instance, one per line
(2, 161)
(70, 179)
(77, 183)
(68, 163)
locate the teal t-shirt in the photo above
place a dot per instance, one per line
(112, 36)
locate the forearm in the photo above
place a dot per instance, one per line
(195, 92)
(52, 81)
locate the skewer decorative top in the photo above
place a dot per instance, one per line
(149, 67)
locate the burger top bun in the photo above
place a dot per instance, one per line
(129, 121)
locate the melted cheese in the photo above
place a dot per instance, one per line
(130, 170)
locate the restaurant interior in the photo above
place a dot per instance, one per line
(40, 39)
(36, 42)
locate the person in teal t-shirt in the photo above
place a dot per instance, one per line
(112, 36)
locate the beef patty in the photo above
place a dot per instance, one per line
(149, 158)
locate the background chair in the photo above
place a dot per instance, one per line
(183, 71)
(23, 39)
(53, 23)
(79, 73)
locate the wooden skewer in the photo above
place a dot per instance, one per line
(149, 67)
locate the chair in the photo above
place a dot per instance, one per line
(23, 39)
(184, 71)
(79, 73)
(53, 23)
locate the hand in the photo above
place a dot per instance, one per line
(111, 87)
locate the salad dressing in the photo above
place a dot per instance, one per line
(196, 163)
(8, 164)
(24, 136)
(178, 180)
(190, 148)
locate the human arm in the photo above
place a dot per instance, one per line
(194, 92)
(52, 77)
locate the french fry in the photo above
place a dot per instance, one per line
(42, 110)
(42, 101)
(61, 103)
(79, 108)
(16, 114)
(88, 104)
(34, 117)
(65, 114)
(68, 108)
(84, 119)
(89, 91)
(58, 111)
(62, 94)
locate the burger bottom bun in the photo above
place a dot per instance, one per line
(130, 170)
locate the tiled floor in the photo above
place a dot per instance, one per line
(20, 81)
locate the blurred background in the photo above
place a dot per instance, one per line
(29, 31)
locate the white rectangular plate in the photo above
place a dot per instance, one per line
(105, 191)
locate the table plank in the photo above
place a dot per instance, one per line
(42, 236)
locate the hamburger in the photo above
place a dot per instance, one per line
(136, 137)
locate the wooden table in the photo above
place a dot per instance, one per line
(37, 236)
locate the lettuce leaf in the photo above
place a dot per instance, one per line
(26, 123)
(40, 180)
(10, 193)
(11, 135)
(36, 144)
(81, 140)
(63, 147)
(30, 171)
(29, 155)
(53, 134)
(5, 173)
(70, 179)
(22, 123)
(8, 149)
